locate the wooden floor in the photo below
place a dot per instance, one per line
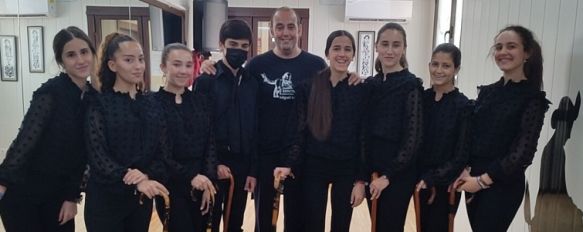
(360, 219)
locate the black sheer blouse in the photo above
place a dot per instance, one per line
(444, 153)
(125, 133)
(48, 155)
(395, 122)
(344, 142)
(190, 135)
(507, 122)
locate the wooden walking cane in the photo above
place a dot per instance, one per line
(452, 209)
(209, 222)
(166, 209)
(373, 210)
(278, 185)
(227, 211)
(417, 204)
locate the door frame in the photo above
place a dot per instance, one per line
(141, 14)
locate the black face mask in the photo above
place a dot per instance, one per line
(236, 57)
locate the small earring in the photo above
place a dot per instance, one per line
(525, 60)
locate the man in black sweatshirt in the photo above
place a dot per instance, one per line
(278, 72)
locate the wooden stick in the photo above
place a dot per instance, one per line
(227, 211)
(417, 210)
(209, 220)
(166, 211)
(166, 208)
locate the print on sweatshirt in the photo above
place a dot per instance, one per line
(283, 87)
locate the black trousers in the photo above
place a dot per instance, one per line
(23, 212)
(109, 212)
(493, 209)
(265, 193)
(239, 201)
(185, 214)
(394, 201)
(435, 216)
(319, 174)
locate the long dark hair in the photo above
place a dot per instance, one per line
(319, 115)
(108, 47)
(378, 66)
(64, 36)
(533, 67)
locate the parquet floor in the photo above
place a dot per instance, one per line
(360, 219)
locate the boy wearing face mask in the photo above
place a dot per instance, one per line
(233, 92)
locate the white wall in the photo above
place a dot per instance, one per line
(558, 25)
(16, 96)
(327, 17)
(324, 18)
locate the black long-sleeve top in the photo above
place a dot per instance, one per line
(394, 127)
(345, 139)
(123, 133)
(48, 155)
(234, 98)
(506, 126)
(444, 151)
(190, 135)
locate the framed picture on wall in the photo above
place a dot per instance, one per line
(8, 58)
(36, 58)
(365, 53)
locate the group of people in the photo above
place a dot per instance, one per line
(285, 115)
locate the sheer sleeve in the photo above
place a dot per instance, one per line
(447, 172)
(297, 129)
(29, 134)
(362, 170)
(253, 166)
(361, 167)
(75, 181)
(187, 171)
(99, 158)
(524, 145)
(157, 169)
(211, 159)
(412, 133)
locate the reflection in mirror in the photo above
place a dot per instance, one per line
(553, 198)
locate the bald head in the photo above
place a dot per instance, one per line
(286, 31)
(284, 12)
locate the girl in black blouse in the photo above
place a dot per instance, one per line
(394, 129)
(189, 129)
(41, 176)
(126, 142)
(329, 114)
(507, 121)
(443, 153)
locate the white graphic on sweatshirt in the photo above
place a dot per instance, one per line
(283, 87)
